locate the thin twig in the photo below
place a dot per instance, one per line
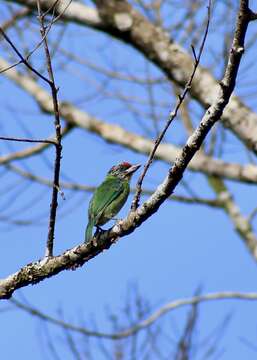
(78, 255)
(173, 114)
(62, 12)
(57, 124)
(165, 309)
(113, 133)
(11, 66)
(49, 26)
(193, 200)
(45, 141)
(22, 58)
(57, 143)
(33, 150)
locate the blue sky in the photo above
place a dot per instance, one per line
(168, 257)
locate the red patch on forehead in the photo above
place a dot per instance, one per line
(126, 164)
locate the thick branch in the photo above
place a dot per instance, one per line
(242, 224)
(215, 203)
(35, 272)
(172, 115)
(115, 134)
(126, 24)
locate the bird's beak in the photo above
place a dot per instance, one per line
(132, 169)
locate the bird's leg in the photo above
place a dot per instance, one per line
(98, 230)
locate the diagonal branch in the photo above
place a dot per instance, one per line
(163, 310)
(77, 256)
(215, 203)
(22, 58)
(241, 223)
(115, 134)
(172, 114)
(157, 46)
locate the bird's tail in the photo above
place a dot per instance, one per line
(89, 231)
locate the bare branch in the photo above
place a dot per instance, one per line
(57, 124)
(45, 141)
(184, 346)
(32, 151)
(22, 59)
(215, 203)
(16, 16)
(241, 223)
(163, 310)
(172, 116)
(157, 46)
(10, 66)
(70, 259)
(115, 134)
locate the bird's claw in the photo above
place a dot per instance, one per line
(98, 230)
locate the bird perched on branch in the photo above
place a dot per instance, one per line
(110, 196)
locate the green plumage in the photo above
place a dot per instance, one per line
(109, 197)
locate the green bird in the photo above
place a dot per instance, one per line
(110, 196)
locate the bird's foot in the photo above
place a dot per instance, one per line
(98, 230)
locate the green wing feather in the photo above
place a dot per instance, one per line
(89, 230)
(104, 195)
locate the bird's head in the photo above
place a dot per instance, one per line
(123, 170)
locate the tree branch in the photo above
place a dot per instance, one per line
(45, 141)
(115, 134)
(58, 133)
(157, 46)
(172, 115)
(215, 203)
(77, 256)
(32, 151)
(22, 58)
(163, 310)
(242, 224)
